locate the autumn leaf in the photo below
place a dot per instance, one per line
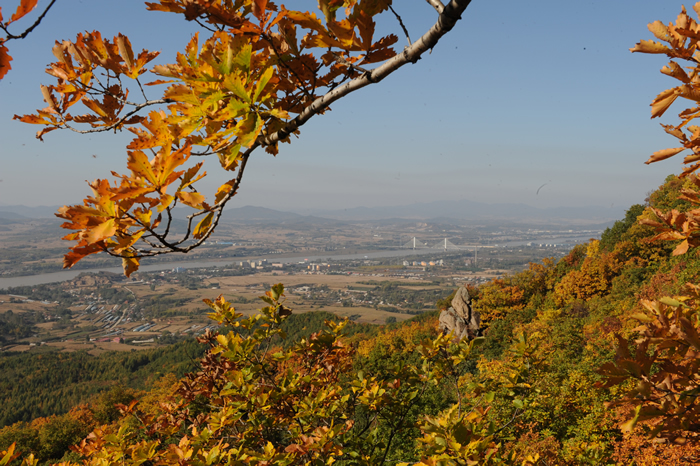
(664, 154)
(649, 46)
(681, 248)
(138, 163)
(203, 226)
(24, 7)
(662, 102)
(130, 265)
(5, 59)
(79, 251)
(192, 199)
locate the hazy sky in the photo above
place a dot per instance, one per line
(519, 94)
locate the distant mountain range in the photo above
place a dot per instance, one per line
(475, 211)
(443, 211)
(22, 211)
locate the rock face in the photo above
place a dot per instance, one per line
(460, 319)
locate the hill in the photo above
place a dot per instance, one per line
(551, 382)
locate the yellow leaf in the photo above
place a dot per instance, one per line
(165, 201)
(203, 226)
(629, 425)
(248, 129)
(102, 231)
(138, 163)
(235, 85)
(130, 265)
(262, 82)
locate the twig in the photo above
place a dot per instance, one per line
(340, 59)
(117, 123)
(405, 31)
(31, 28)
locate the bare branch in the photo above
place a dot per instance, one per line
(403, 26)
(31, 28)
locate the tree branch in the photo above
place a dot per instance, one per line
(437, 4)
(117, 123)
(31, 28)
(446, 21)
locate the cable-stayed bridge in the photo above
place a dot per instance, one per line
(445, 245)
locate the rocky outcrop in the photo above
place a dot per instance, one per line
(460, 319)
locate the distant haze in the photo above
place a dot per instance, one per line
(459, 211)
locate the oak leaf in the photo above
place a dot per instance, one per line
(5, 59)
(664, 154)
(24, 7)
(203, 226)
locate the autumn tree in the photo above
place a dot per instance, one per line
(248, 81)
(255, 402)
(661, 358)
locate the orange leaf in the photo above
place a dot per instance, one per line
(259, 8)
(24, 7)
(681, 248)
(5, 59)
(79, 251)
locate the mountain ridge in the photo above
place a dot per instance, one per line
(458, 210)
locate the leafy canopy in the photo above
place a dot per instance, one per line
(250, 79)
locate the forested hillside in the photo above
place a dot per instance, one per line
(546, 385)
(36, 385)
(51, 383)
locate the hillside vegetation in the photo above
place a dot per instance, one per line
(567, 373)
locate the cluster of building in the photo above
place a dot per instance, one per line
(319, 267)
(259, 264)
(422, 263)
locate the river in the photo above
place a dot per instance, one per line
(31, 280)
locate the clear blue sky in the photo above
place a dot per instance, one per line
(517, 95)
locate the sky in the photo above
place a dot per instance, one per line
(518, 95)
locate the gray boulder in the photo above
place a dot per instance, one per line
(460, 319)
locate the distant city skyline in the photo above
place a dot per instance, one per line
(538, 103)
